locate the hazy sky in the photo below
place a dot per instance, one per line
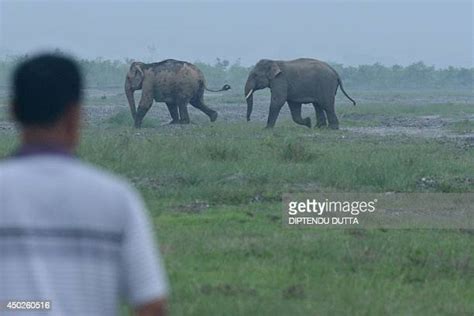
(439, 33)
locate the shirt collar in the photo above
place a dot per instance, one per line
(42, 149)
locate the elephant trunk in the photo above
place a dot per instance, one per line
(249, 98)
(131, 99)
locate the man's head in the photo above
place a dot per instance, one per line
(47, 91)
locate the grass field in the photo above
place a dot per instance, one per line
(214, 192)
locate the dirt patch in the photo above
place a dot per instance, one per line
(98, 113)
(397, 131)
(428, 126)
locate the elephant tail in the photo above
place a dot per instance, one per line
(224, 88)
(343, 91)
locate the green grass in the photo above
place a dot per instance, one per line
(240, 261)
(237, 161)
(123, 118)
(214, 193)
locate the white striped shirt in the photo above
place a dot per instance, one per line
(75, 236)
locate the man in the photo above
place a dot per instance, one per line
(69, 233)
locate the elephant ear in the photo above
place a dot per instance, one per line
(274, 70)
(138, 66)
(134, 67)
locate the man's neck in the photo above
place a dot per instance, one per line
(50, 137)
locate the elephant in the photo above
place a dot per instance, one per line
(174, 82)
(298, 81)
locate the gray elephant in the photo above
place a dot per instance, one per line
(174, 82)
(297, 81)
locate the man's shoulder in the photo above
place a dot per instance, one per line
(75, 170)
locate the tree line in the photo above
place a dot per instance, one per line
(110, 73)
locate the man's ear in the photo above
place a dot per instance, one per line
(274, 70)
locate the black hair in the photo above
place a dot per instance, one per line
(44, 87)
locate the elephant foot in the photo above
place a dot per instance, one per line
(321, 124)
(335, 127)
(307, 122)
(184, 122)
(174, 122)
(213, 116)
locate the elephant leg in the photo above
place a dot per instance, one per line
(183, 112)
(144, 106)
(199, 104)
(278, 99)
(331, 114)
(295, 109)
(173, 109)
(273, 113)
(320, 115)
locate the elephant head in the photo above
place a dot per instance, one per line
(133, 82)
(259, 78)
